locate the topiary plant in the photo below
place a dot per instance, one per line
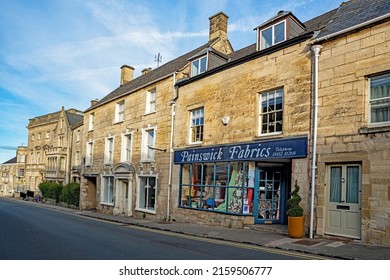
(294, 210)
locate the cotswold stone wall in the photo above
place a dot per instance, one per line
(135, 119)
(344, 136)
(234, 93)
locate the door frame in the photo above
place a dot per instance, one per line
(342, 206)
(284, 190)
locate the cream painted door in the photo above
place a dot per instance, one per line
(343, 214)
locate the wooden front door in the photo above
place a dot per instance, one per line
(343, 215)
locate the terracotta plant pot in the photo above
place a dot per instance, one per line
(295, 227)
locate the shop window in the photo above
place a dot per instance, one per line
(108, 189)
(380, 100)
(271, 112)
(196, 125)
(222, 187)
(147, 193)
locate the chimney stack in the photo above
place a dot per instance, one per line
(218, 26)
(127, 73)
(146, 71)
(93, 102)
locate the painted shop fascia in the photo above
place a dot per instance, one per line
(259, 150)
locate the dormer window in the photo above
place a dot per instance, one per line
(205, 60)
(199, 66)
(273, 35)
(278, 29)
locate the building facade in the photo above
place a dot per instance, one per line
(13, 174)
(353, 179)
(49, 147)
(128, 134)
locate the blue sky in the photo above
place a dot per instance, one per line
(56, 53)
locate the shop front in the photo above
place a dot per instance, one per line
(245, 179)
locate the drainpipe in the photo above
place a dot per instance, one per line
(316, 50)
(173, 103)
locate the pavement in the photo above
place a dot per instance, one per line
(269, 236)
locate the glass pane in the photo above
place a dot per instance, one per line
(353, 183)
(335, 184)
(203, 63)
(279, 33)
(195, 68)
(266, 38)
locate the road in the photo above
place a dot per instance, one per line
(31, 232)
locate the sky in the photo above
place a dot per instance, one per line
(56, 53)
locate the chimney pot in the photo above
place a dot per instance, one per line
(146, 70)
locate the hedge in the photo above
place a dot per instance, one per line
(70, 194)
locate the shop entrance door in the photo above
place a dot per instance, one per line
(269, 202)
(343, 201)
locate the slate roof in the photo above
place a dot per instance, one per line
(347, 15)
(158, 73)
(355, 12)
(11, 161)
(73, 118)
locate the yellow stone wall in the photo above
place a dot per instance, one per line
(344, 66)
(234, 92)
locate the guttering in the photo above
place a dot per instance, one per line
(349, 29)
(173, 103)
(316, 50)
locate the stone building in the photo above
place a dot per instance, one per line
(128, 135)
(49, 147)
(353, 146)
(307, 102)
(242, 130)
(12, 174)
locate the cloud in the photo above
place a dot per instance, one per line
(8, 148)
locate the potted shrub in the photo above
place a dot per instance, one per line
(295, 214)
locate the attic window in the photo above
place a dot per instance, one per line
(273, 35)
(199, 66)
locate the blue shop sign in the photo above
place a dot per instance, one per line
(260, 150)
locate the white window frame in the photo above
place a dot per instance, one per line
(127, 150)
(140, 205)
(194, 139)
(107, 190)
(91, 121)
(89, 153)
(198, 70)
(372, 100)
(148, 152)
(48, 135)
(120, 111)
(272, 27)
(39, 136)
(109, 150)
(272, 113)
(151, 100)
(77, 158)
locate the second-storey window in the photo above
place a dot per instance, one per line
(380, 100)
(196, 125)
(271, 112)
(120, 111)
(109, 150)
(151, 101)
(148, 143)
(126, 148)
(199, 66)
(89, 153)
